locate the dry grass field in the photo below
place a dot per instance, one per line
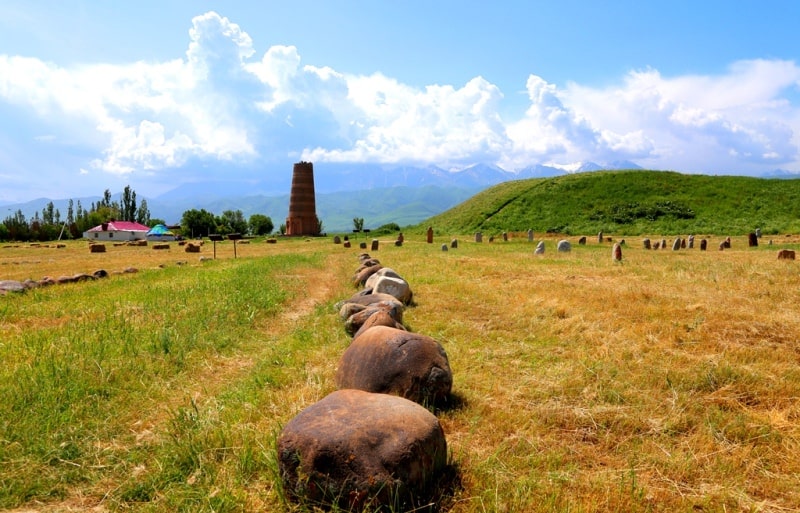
(667, 382)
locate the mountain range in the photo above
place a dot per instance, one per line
(378, 193)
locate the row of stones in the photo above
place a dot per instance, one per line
(21, 286)
(372, 442)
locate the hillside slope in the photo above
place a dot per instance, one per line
(630, 203)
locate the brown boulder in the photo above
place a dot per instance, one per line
(361, 277)
(379, 318)
(786, 254)
(393, 361)
(369, 299)
(354, 323)
(355, 450)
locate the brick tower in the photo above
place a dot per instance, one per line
(302, 218)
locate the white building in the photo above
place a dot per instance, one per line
(117, 230)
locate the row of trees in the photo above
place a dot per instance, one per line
(51, 225)
(202, 223)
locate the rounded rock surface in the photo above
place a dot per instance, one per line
(388, 360)
(357, 449)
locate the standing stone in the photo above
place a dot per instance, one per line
(722, 246)
(478, 237)
(362, 245)
(454, 243)
(491, 238)
(505, 236)
(616, 253)
(582, 241)
(600, 237)
(398, 243)
(430, 235)
(752, 240)
(388, 360)
(530, 235)
(374, 245)
(539, 248)
(360, 450)
(337, 239)
(683, 243)
(444, 247)
(401, 238)
(703, 244)
(663, 243)
(646, 244)
(564, 246)
(786, 254)
(676, 245)
(691, 241)
(727, 243)
(346, 244)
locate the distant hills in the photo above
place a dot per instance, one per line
(377, 192)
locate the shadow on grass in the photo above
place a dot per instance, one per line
(454, 402)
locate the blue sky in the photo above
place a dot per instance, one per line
(97, 94)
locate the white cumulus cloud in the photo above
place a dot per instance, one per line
(223, 101)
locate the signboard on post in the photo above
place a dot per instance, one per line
(234, 237)
(215, 238)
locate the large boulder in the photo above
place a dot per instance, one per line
(383, 271)
(363, 274)
(11, 286)
(393, 361)
(396, 287)
(357, 320)
(356, 449)
(380, 318)
(368, 299)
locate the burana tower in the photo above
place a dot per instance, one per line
(302, 218)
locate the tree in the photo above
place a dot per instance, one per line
(260, 224)
(47, 213)
(128, 207)
(143, 214)
(17, 227)
(70, 212)
(358, 224)
(198, 223)
(233, 221)
(106, 201)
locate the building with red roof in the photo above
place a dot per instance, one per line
(117, 230)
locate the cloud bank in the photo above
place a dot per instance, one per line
(222, 101)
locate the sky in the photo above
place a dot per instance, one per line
(97, 95)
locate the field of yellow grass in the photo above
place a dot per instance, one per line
(669, 381)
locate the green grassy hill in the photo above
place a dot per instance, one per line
(629, 203)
